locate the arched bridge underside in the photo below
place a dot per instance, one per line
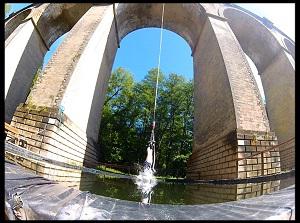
(60, 114)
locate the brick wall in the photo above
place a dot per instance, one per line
(287, 156)
(54, 136)
(250, 143)
(219, 159)
(250, 111)
(214, 161)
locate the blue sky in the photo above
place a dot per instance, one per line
(139, 50)
(143, 46)
(16, 7)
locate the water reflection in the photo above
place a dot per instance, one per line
(172, 193)
(209, 193)
(158, 192)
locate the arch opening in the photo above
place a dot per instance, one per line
(128, 106)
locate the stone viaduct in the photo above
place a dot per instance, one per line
(60, 114)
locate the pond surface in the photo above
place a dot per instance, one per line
(179, 193)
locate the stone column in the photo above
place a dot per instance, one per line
(85, 92)
(278, 80)
(61, 117)
(228, 106)
(24, 54)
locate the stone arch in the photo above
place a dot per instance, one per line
(12, 24)
(269, 55)
(290, 46)
(227, 104)
(273, 55)
(57, 19)
(131, 17)
(39, 27)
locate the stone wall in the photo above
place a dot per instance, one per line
(250, 143)
(219, 159)
(67, 177)
(54, 135)
(287, 156)
(216, 160)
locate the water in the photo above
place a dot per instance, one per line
(145, 182)
(158, 192)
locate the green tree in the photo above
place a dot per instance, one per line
(176, 109)
(128, 115)
(116, 117)
(7, 8)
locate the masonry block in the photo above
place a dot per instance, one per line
(246, 161)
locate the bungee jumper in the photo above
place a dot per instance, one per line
(150, 159)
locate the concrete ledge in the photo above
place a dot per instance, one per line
(45, 199)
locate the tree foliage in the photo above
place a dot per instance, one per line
(7, 8)
(128, 114)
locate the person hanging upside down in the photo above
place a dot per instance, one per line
(149, 162)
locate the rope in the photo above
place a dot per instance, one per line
(152, 139)
(157, 76)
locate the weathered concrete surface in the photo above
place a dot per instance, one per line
(214, 113)
(59, 69)
(24, 54)
(85, 93)
(179, 18)
(53, 20)
(45, 199)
